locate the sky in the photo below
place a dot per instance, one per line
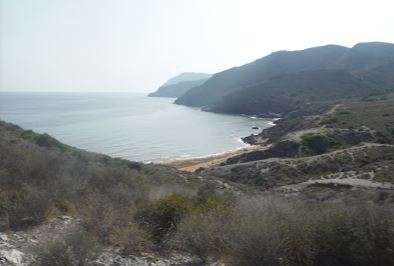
(136, 45)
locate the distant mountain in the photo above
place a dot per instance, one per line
(363, 61)
(177, 89)
(186, 76)
(180, 84)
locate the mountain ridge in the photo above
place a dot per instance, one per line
(357, 60)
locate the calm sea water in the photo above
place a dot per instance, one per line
(125, 125)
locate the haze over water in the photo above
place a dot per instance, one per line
(131, 126)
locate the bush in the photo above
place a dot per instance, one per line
(343, 112)
(354, 236)
(328, 120)
(54, 254)
(130, 164)
(77, 248)
(130, 237)
(278, 232)
(43, 140)
(204, 233)
(30, 206)
(160, 218)
(63, 207)
(315, 143)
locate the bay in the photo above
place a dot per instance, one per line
(128, 125)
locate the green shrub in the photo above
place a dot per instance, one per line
(63, 207)
(43, 140)
(130, 164)
(135, 165)
(160, 218)
(148, 170)
(29, 134)
(315, 143)
(328, 120)
(207, 199)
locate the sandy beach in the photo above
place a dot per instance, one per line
(192, 164)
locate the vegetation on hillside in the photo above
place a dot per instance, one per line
(273, 231)
(314, 143)
(298, 81)
(138, 207)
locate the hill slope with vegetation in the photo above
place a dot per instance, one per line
(65, 206)
(369, 63)
(302, 91)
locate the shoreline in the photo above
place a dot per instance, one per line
(192, 164)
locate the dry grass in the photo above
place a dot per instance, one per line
(271, 231)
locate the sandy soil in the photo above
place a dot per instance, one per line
(193, 164)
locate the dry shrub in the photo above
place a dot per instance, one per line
(355, 235)
(273, 231)
(160, 218)
(204, 233)
(76, 248)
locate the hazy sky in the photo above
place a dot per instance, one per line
(120, 45)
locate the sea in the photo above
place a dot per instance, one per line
(128, 125)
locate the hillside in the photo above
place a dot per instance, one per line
(371, 162)
(358, 61)
(301, 91)
(63, 206)
(354, 140)
(177, 89)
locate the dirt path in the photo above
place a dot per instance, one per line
(354, 182)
